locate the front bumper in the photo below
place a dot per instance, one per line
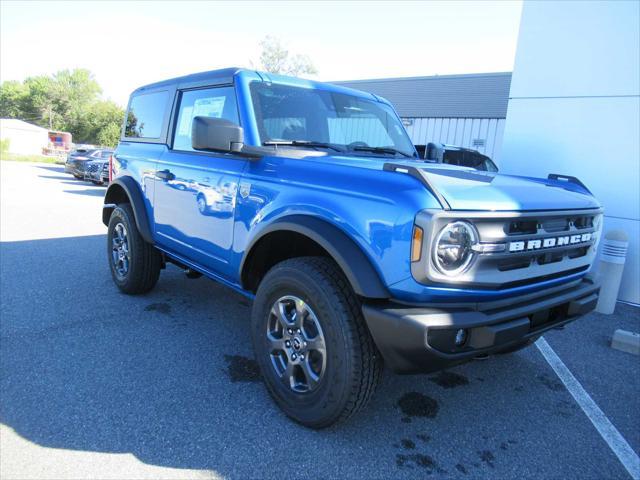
(74, 169)
(94, 177)
(421, 339)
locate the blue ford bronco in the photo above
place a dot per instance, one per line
(310, 200)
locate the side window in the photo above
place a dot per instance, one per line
(217, 102)
(145, 115)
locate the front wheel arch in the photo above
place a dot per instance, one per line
(349, 257)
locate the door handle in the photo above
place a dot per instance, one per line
(165, 175)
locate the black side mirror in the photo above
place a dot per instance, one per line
(216, 134)
(435, 152)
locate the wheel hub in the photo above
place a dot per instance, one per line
(120, 250)
(297, 343)
(297, 346)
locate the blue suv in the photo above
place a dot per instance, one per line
(310, 200)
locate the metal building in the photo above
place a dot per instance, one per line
(464, 110)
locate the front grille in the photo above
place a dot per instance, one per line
(93, 168)
(552, 276)
(532, 226)
(541, 259)
(522, 227)
(531, 246)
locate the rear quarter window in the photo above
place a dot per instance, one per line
(145, 117)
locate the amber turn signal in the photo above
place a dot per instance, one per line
(416, 244)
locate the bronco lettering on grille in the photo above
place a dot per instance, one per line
(549, 242)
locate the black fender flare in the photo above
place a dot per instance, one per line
(356, 266)
(113, 196)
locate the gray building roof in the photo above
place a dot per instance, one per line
(478, 95)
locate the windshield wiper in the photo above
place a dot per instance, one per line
(301, 143)
(388, 150)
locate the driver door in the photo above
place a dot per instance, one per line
(195, 192)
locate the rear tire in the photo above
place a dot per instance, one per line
(135, 264)
(343, 366)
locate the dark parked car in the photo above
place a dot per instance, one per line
(97, 171)
(454, 155)
(78, 160)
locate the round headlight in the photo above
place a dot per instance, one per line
(453, 251)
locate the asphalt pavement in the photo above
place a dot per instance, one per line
(97, 384)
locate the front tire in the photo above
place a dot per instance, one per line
(315, 352)
(135, 264)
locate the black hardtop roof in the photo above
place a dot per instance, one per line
(221, 76)
(225, 77)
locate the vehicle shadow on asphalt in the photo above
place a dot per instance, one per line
(169, 377)
(69, 180)
(53, 168)
(55, 177)
(94, 192)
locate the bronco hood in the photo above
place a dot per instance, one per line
(466, 189)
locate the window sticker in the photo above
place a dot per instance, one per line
(203, 107)
(209, 107)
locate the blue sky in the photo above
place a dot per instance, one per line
(129, 44)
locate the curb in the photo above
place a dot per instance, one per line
(626, 341)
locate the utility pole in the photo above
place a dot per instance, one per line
(50, 118)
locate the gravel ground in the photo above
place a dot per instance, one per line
(102, 385)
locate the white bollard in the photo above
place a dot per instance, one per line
(612, 258)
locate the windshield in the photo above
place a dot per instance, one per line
(353, 124)
(469, 159)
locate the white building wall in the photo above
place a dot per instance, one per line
(574, 108)
(463, 132)
(24, 138)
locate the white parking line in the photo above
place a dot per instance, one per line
(607, 431)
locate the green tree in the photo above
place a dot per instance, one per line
(109, 135)
(69, 101)
(12, 98)
(73, 95)
(106, 121)
(88, 121)
(275, 58)
(39, 104)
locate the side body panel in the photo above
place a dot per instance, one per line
(194, 209)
